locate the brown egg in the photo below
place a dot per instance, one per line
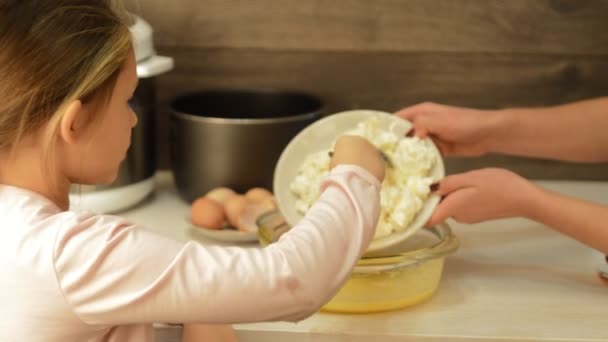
(258, 194)
(221, 194)
(207, 213)
(233, 208)
(249, 215)
(269, 203)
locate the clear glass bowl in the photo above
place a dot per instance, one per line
(405, 275)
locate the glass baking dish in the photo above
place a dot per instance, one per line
(406, 274)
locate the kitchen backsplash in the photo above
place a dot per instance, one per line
(387, 54)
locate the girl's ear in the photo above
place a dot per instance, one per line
(71, 125)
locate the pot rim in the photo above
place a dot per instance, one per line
(316, 113)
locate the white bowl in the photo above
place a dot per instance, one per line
(320, 136)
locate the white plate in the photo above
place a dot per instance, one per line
(319, 136)
(225, 235)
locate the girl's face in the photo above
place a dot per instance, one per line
(110, 136)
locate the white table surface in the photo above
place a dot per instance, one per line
(511, 280)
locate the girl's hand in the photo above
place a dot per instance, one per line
(456, 131)
(482, 195)
(354, 150)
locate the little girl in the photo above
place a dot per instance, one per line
(67, 72)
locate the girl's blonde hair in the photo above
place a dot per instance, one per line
(53, 52)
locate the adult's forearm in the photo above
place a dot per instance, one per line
(581, 220)
(571, 132)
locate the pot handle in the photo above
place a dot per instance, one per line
(154, 66)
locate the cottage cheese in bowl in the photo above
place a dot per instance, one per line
(407, 181)
(406, 200)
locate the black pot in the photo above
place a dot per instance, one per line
(234, 138)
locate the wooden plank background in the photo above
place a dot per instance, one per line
(389, 81)
(387, 54)
(550, 26)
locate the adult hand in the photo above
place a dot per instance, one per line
(482, 195)
(456, 131)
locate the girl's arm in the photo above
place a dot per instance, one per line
(112, 272)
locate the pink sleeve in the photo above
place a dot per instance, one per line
(112, 272)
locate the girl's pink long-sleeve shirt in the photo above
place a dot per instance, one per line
(74, 276)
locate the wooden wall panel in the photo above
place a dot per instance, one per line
(387, 54)
(532, 168)
(389, 81)
(525, 26)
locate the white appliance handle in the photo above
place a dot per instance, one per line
(154, 66)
